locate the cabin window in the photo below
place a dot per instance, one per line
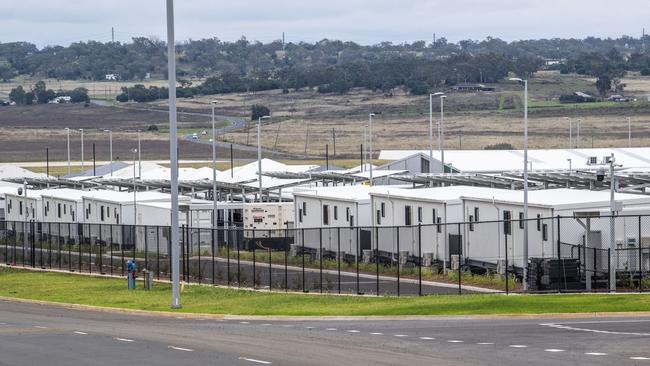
(545, 232)
(507, 224)
(347, 214)
(471, 222)
(326, 214)
(378, 217)
(439, 221)
(383, 209)
(521, 220)
(300, 215)
(419, 214)
(476, 219)
(407, 215)
(336, 212)
(101, 213)
(108, 212)
(351, 220)
(539, 222)
(304, 208)
(58, 210)
(20, 207)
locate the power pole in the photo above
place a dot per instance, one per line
(112, 35)
(283, 41)
(277, 135)
(306, 139)
(334, 142)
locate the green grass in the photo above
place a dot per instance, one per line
(65, 288)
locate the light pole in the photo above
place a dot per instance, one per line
(525, 248)
(135, 208)
(82, 148)
(139, 157)
(110, 139)
(578, 134)
(370, 115)
(431, 95)
(629, 132)
(67, 130)
(441, 134)
(570, 131)
(173, 155)
(612, 226)
(259, 151)
(214, 169)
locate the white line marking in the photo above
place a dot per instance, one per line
(596, 354)
(353, 331)
(401, 335)
(81, 333)
(330, 329)
(640, 358)
(427, 338)
(377, 333)
(180, 349)
(485, 343)
(517, 346)
(244, 322)
(40, 327)
(310, 327)
(455, 341)
(560, 326)
(553, 350)
(254, 360)
(267, 324)
(180, 317)
(123, 339)
(287, 326)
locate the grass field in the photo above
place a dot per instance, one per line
(108, 292)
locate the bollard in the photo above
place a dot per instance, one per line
(132, 273)
(148, 279)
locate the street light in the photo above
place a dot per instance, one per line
(370, 115)
(431, 125)
(67, 130)
(578, 134)
(259, 151)
(214, 169)
(570, 131)
(441, 132)
(139, 157)
(82, 148)
(135, 208)
(173, 155)
(110, 138)
(525, 248)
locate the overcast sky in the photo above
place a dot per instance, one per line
(363, 21)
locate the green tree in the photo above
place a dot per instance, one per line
(18, 95)
(258, 111)
(604, 84)
(42, 93)
(79, 95)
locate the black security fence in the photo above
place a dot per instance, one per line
(565, 254)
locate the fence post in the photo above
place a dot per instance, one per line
(122, 248)
(228, 243)
(559, 248)
(420, 259)
(146, 248)
(338, 257)
(303, 259)
(49, 243)
(399, 259)
(460, 254)
(377, 256)
(505, 234)
(286, 257)
(357, 258)
(212, 232)
(254, 266)
(320, 259)
(609, 267)
(239, 257)
(101, 254)
(640, 259)
(157, 252)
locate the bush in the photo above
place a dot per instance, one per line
(500, 146)
(152, 128)
(258, 110)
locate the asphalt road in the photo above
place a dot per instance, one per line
(39, 334)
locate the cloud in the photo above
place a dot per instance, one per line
(363, 21)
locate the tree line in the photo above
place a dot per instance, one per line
(40, 94)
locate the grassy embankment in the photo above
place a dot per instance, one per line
(66, 288)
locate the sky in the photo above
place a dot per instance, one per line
(61, 22)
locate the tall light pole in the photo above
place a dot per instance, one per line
(135, 190)
(370, 115)
(578, 134)
(173, 154)
(431, 95)
(441, 134)
(110, 139)
(214, 169)
(82, 148)
(525, 248)
(570, 131)
(629, 132)
(139, 157)
(67, 130)
(612, 226)
(259, 151)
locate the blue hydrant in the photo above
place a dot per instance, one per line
(132, 273)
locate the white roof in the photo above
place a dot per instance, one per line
(127, 197)
(563, 198)
(449, 194)
(346, 193)
(487, 161)
(378, 173)
(147, 168)
(14, 171)
(249, 171)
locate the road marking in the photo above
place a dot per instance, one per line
(80, 333)
(267, 324)
(596, 354)
(287, 326)
(353, 331)
(562, 326)
(401, 335)
(485, 343)
(640, 358)
(553, 350)
(244, 322)
(40, 327)
(330, 329)
(377, 333)
(455, 341)
(180, 349)
(517, 346)
(123, 339)
(254, 360)
(310, 327)
(427, 338)
(180, 317)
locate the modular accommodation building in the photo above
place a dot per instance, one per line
(500, 222)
